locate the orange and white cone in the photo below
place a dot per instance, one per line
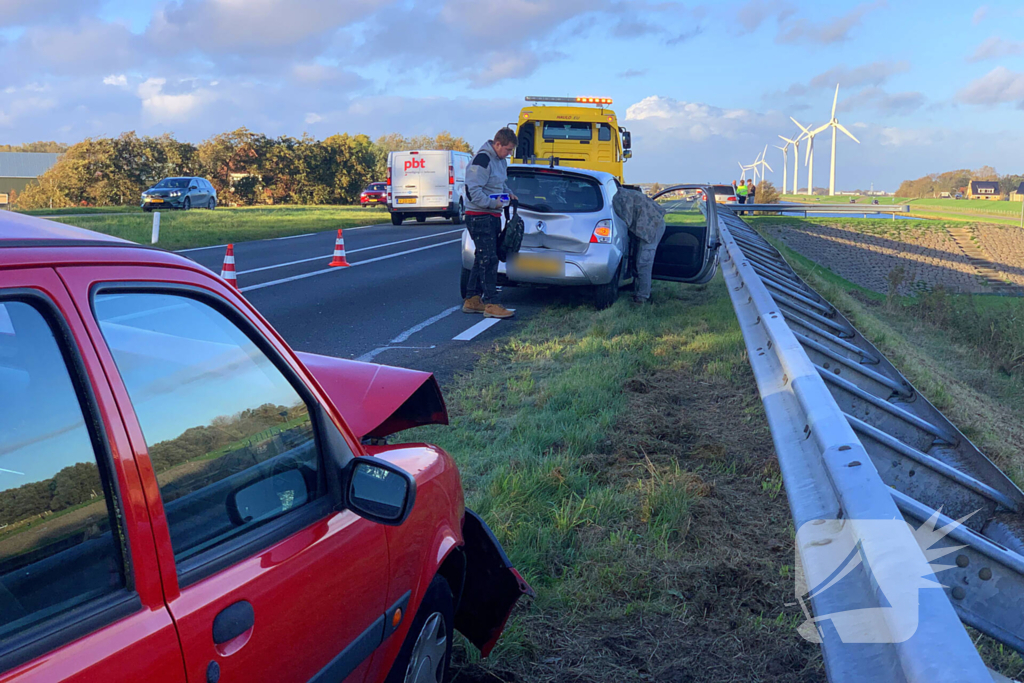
(339, 252)
(227, 271)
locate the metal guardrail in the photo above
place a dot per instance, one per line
(824, 208)
(859, 447)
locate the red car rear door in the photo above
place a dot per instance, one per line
(80, 592)
(266, 580)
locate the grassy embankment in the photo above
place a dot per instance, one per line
(200, 228)
(623, 459)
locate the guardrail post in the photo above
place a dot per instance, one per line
(156, 228)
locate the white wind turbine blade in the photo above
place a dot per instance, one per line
(821, 128)
(808, 151)
(784, 138)
(840, 127)
(765, 163)
(834, 100)
(800, 125)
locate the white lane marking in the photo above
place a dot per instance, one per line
(335, 270)
(350, 251)
(367, 357)
(484, 324)
(212, 246)
(429, 321)
(308, 234)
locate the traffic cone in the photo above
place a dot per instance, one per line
(227, 271)
(339, 252)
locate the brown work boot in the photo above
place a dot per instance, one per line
(497, 311)
(473, 305)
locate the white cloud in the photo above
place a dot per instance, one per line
(979, 15)
(164, 108)
(995, 47)
(118, 80)
(997, 86)
(902, 137)
(313, 117)
(12, 112)
(693, 121)
(835, 31)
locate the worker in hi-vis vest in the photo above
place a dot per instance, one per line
(741, 192)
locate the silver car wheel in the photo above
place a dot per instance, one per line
(426, 664)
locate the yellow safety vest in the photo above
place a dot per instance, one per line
(742, 190)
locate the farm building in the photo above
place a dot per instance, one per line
(18, 169)
(1018, 194)
(983, 189)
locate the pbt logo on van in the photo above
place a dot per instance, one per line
(830, 549)
(415, 163)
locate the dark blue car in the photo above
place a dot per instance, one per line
(180, 193)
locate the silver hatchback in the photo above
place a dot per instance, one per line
(574, 238)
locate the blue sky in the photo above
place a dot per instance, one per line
(926, 87)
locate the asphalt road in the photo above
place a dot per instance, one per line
(398, 304)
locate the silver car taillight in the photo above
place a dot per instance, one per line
(602, 232)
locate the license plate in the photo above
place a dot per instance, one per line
(154, 201)
(406, 200)
(539, 264)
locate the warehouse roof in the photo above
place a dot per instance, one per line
(26, 164)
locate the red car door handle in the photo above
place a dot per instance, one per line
(233, 621)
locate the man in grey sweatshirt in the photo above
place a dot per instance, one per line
(487, 175)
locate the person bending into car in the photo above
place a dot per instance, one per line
(645, 219)
(487, 175)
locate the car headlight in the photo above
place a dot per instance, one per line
(175, 193)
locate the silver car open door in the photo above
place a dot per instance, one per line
(689, 250)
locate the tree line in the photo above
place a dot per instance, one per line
(246, 168)
(934, 184)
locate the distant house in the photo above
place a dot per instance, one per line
(983, 189)
(1018, 194)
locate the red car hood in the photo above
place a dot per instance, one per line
(378, 400)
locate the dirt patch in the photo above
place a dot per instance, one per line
(716, 609)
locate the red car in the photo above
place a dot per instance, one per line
(183, 498)
(375, 194)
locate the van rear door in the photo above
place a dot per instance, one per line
(689, 250)
(419, 179)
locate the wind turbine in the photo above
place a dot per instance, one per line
(764, 163)
(743, 170)
(796, 160)
(785, 163)
(809, 156)
(834, 124)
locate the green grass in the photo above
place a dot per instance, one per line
(595, 445)
(1006, 213)
(201, 228)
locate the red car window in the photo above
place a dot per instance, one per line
(57, 551)
(230, 439)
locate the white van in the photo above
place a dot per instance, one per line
(427, 182)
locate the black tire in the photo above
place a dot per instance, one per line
(211, 204)
(421, 219)
(437, 604)
(147, 209)
(606, 295)
(460, 216)
(397, 218)
(187, 204)
(464, 282)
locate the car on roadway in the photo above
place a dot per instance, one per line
(573, 237)
(375, 194)
(180, 193)
(185, 498)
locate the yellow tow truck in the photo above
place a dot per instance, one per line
(564, 131)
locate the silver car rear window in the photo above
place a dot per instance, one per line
(555, 192)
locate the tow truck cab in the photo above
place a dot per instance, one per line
(563, 131)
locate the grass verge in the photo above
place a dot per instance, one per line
(201, 228)
(623, 459)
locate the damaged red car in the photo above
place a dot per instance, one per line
(183, 498)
